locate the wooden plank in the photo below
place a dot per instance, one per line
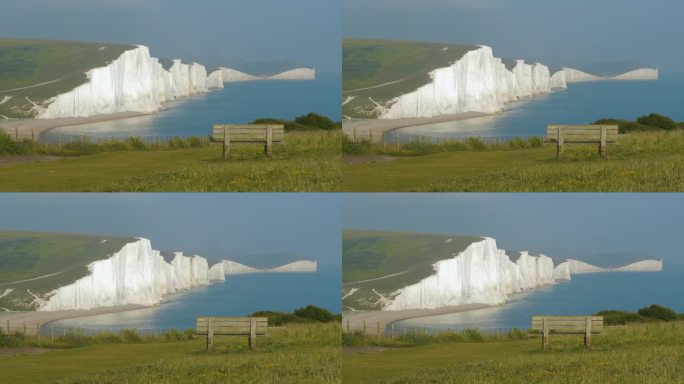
(579, 130)
(539, 317)
(566, 322)
(231, 318)
(232, 324)
(231, 330)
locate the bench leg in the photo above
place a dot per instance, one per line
(210, 336)
(269, 141)
(545, 335)
(587, 333)
(602, 145)
(252, 333)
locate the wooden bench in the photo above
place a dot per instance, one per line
(567, 325)
(249, 133)
(231, 326)
(582, 134)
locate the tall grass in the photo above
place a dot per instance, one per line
(85, 146)
(421, 148)
(644, 353)
(413, 339)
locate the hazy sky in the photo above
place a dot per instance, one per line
(207, 31)
(307, 224)
(557, 224)
(556, 32)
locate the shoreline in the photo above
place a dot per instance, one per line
(382, 319)
(34, 318)
(375, 129)
(31, 129)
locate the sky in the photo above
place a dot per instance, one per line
(556, 224)
(211, 32)
(307, 224)
(556, 33)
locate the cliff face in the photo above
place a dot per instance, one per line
(639, 74)
(136, 274)
(297, 266)
(137, 82)
(478, 82)
(295, 74)
(482, 274)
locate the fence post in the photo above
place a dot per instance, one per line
(16, 134)
(8, 328)
(347, 325)
(377, 324)
(38, 330)
(354, 134)
(52, 333)
(392, 332)
(24, 327)
(364, 327)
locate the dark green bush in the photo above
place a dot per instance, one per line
(130, 336)
(613, 317)
(315, 313)
(658, 312)
(316, 120)
(656, 120)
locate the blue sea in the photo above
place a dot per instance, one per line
(581, 103)
(239, 295)
(237, 103)
(583, 295)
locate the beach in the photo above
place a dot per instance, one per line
(30, 129)
(374, 320)
(34, 319)
(374, 129)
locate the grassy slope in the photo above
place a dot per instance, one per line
(647, 161)
(30, 62)
(27, 255)
(639, 353)
(293, 354)
(370, 254)
(368, 63)
(308, 161)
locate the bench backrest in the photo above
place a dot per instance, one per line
(582, 133)
(567, 324)
(249, 133)
(237, 326)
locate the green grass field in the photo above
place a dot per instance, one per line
(25, 63)
(405, 64)
(28, 255)
(368, 255)
(636, 353)
(308, 161)
(641, 162)
(296, 353)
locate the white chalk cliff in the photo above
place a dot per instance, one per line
(295, 74)
(136, 274)
(137, 82)
(484, 274)
(480, 82)
(297, 266)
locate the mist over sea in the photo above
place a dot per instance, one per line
(581, 103)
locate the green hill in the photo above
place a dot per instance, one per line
(48, 68)
(37, 262)
(379, 70)
(378, 263)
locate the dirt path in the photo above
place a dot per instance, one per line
(381, 319)
(18, 159)
(5, 352)
(30, 86)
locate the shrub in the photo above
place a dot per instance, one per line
(613, 317)
(658, 312)
(476, 143)
(316, 120)
(315, 313)
(656, 120)
(135, 143)
(130, 336)
(280, 318)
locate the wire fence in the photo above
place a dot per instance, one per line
(392, 330)
(394, 138)
(52, 332)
